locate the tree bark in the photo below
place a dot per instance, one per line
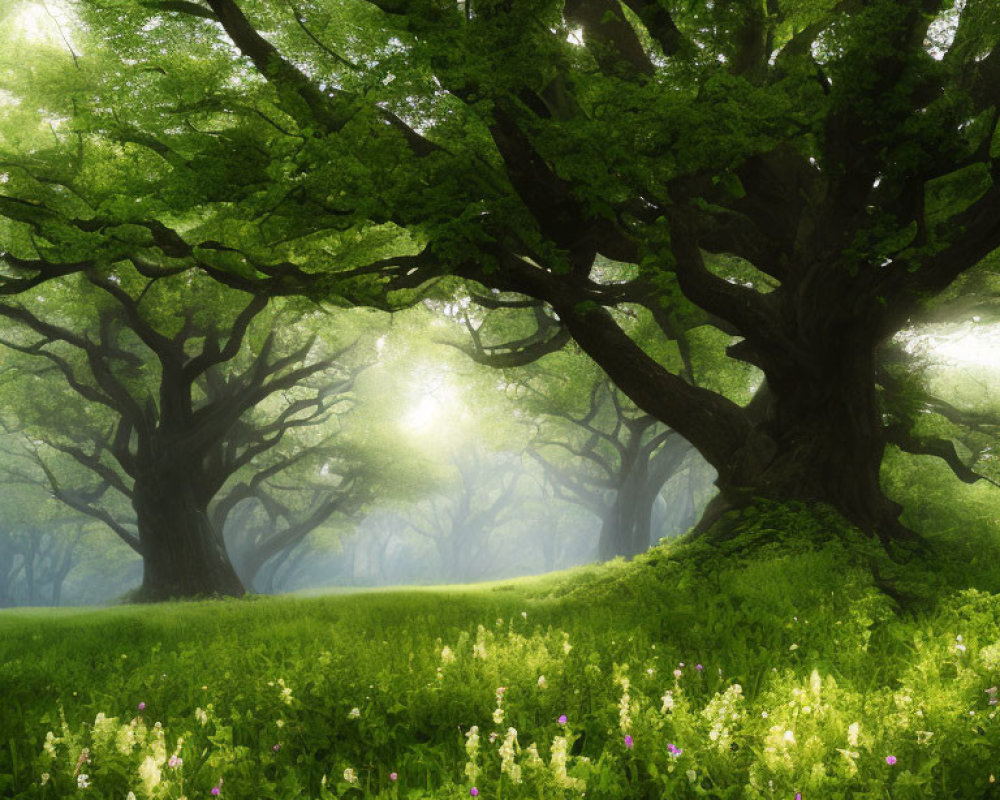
(183, 556)
(818, 437)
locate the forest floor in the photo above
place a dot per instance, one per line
(773, 666)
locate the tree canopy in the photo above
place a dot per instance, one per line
(799, 177)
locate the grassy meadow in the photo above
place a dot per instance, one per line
(795, 661)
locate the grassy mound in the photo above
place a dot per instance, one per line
(793, 659)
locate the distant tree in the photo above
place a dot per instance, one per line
(461, 524)
(268, 517)
(173, 401)
(619, 461)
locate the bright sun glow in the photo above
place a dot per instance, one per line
(44, 22)
(435, 405)
(965, 343)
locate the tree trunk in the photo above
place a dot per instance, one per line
(818, 437)
(626, 526)
(182, 554)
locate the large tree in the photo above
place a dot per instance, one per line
(170, 409)
(841, 153)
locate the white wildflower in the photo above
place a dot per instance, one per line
(507, 752)
(542, 683)
(354, 713)
(852, 734)
(557, 763)
(150, 774)
(201, 715)
(472, 751)
(82, 781)
(350, 775)
(447, 656)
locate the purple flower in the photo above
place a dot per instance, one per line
(674, 750)
(699, 667)
(215, 791)
(474, 791)
(562, 719)
(142, 706)
(890, 760)
(393, 776)
(628, 742)
(798, 796)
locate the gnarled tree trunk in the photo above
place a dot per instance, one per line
(183, 556)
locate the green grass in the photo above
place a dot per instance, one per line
(834, 676)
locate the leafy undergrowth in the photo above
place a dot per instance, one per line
(794, 659)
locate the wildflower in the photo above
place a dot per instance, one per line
(447, 656)
(629, 743)
(890, 760)
(216, 791)
(562, 719)
(50, 744)
(542, 683)
(992, 694)
(668, 703)
(275, 748)
(852, 734)
(354, 713)
(201, 715)
(798, 796)
(142, 706)
(82, 781)
(524, 615)
(474, 791)
(350, 775)
(45, 778)
(566, 645)
(789, 737)
(557, 763)
(507, 752)
(498, 715)
(175, 762)
(150, 773)
(677, 673)
(674, 750)
(472, 751)
(130, 796)
(699, 667)
(625, 706)
(692, 776)
(393, 776)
